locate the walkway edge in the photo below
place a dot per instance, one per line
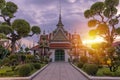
(25, 78)
(93, 77)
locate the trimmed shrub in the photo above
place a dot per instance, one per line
(108, 73)
(80, 64)
(90, 69)
(37, 65)
(117, 73)
(24, 70)
(6, 61)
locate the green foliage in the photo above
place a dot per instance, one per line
(36, 65)
(27, 49)
(91, 69)
(97, 7)
(23, 57)
(104, 72)
(30, 58)
(9, 9)
(80, 64)
(2, 3)
(2, 36)
(5, 29)
(106, 15)
(88, 13)
(24, 70)
(18, 28)
(6, 61)
(104, 19)
(14, 56)
(110, 3)
(35, 30)
(113, 21)
(21, 26)
(109, 12)
(1, 63)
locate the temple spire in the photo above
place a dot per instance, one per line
(60, 18)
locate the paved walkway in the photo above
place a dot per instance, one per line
(60, 71)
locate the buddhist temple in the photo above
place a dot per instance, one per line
(59, 43)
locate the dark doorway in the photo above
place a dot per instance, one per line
(59, 55)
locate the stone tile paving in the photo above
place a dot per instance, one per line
(60, 71)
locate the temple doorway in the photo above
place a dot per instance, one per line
(59, 55)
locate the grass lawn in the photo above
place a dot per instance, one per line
(4, 69)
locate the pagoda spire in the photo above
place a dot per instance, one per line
(60, 24)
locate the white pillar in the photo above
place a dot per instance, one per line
(66, 56)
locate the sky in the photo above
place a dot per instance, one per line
(44, 13)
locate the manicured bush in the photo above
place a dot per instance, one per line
(17, 68)
(90, 69)
(80, 64)
(6, 61)
(117, 73)
(108, 73)
(24, 70)
(37, 65)
(31, 66)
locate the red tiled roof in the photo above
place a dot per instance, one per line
(60, 45)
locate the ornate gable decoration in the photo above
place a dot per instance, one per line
(60, 36)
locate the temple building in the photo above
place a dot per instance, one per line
(58, 44)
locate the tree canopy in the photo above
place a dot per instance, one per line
(103, 19)
(15, 29)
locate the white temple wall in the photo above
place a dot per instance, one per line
(52, 56)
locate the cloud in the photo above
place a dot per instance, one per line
(44, 13)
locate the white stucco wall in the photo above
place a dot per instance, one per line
(66, 55)
(52, 56)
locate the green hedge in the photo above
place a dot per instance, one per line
(24, 70)
(90, 69)
(80, 64)
(36, 65)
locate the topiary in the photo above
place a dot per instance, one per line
(90, 69)
(80, 64)
(24, 70)
(37, 65)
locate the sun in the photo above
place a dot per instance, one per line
(98, 39)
